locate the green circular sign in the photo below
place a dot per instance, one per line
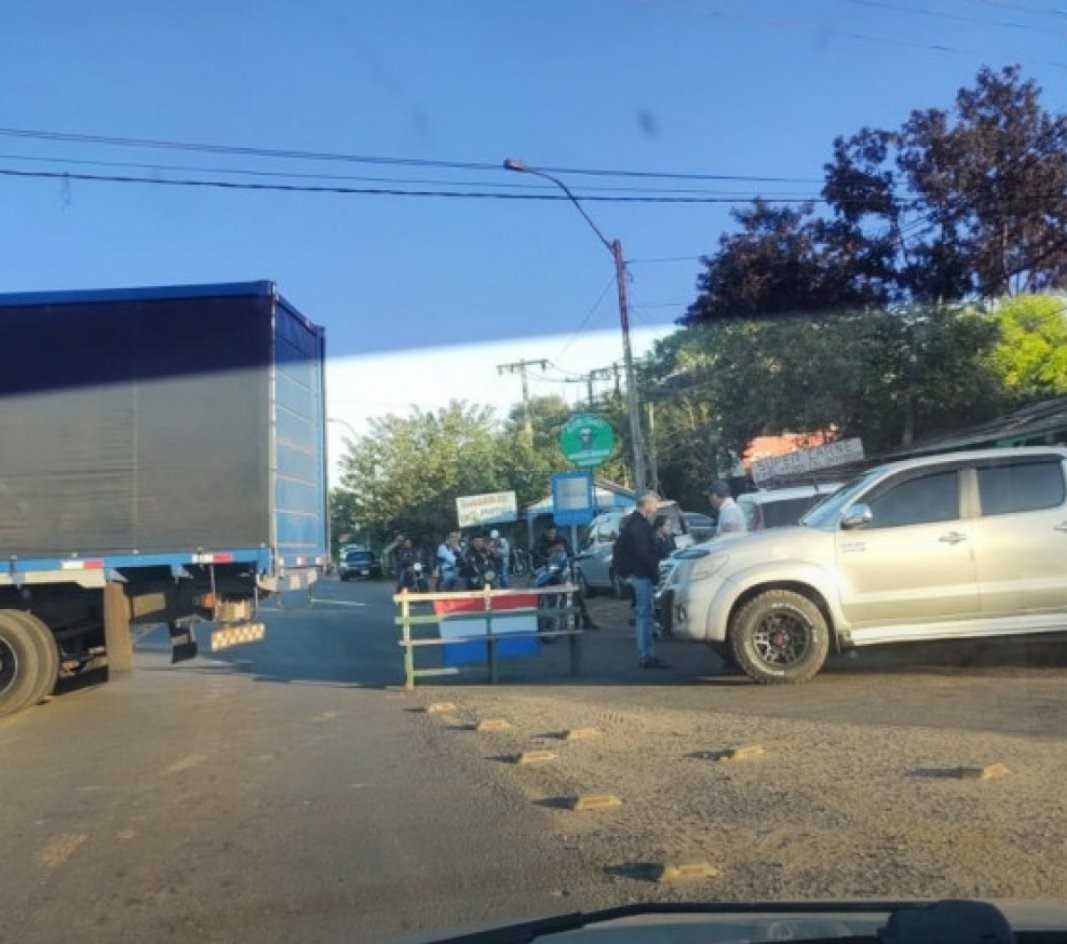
(587, 440)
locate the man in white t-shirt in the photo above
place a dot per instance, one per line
(731, 517)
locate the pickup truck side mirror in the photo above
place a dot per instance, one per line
(856, 516)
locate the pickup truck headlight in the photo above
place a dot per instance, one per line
(707, 566)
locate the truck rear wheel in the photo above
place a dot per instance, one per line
(780, 638)
(19, 663)
(48, 655)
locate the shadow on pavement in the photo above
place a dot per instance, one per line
(348, 639)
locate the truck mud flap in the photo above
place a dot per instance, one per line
(183, 646)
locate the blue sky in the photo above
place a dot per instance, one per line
(759, 87)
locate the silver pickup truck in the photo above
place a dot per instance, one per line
(968, 544)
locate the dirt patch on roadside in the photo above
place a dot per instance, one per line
(828, 810)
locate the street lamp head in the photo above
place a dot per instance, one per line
(513, 163)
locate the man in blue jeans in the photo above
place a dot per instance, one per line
(636, 558)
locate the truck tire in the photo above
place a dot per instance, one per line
(780, 638)
(19, 664)
(48, 655)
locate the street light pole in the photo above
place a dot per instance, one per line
(615, 248)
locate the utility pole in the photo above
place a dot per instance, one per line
(520, 368)
(615, 248)
(628, 361)
(597, 373)
(652, 445)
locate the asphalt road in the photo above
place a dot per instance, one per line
(291, 791)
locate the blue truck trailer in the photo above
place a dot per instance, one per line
(162, 460)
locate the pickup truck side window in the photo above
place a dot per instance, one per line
(919, 500)
(1006, 488)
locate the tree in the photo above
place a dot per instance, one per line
(974, 200)
(344, 525)
(406, 474)
(1031, 356)
(952, 206)
(787, 261)
(886, 376)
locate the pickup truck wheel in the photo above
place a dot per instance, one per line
(48, 655)
(780, 638)
(19, 664)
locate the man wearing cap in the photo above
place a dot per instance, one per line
(731, 517)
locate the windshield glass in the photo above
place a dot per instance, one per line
(349, 353)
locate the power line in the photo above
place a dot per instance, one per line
(295, 154)
(303, 175)
(588, 315)
(374, 191)
(1020, 7)
(795, 26)
(940, 14)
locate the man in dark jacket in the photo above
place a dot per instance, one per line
(636, 558)
(477, 562)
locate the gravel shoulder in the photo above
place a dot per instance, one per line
(828, 810)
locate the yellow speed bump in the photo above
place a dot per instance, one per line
(595, 801)
(580, 734)
(989, 772)
(534, 757)
(440, 708)
(492, 724)
(741, 753)
(680, 871)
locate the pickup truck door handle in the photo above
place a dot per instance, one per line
(953, 537)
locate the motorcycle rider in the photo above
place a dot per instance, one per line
(405, 557)
(449, 563)
(550, 539)
(478, 562)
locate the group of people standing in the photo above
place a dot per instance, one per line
(645, 540)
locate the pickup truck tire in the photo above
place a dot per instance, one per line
(48, 655)
(780, 638)
(19, 663)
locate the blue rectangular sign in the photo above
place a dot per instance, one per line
(572, 498)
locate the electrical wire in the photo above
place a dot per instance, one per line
(585, 321)
(372, 191)
(294, 154)
(941, 14)
(300, 175)
(1020, 7)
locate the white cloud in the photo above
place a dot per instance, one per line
(360, 388)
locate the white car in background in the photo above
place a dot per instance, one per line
(782, 507)
(592, 564)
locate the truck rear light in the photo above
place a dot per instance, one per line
(213, 558)
(89, 564)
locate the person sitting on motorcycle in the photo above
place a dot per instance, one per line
(449, 563)
(405, 557)
(478, 562)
